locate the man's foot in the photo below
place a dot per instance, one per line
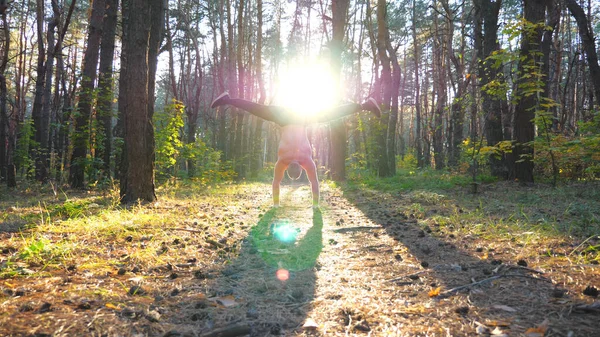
(221, 100)
(372, 105)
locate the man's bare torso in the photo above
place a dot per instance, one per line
(294, 145)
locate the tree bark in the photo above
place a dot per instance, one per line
(393, 121)
(4, 125)
(40, 122)
(439, 88)
(140, 48)
(534, 12)
(84, 108)
(587, 38)
(338, 127)
(105, 83)
(255, 163)
(238, 150)
(386, 86)
(417, 102)
(492, 106)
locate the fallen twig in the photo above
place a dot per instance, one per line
(407, 275)
(214, 243)
(526, 268)
(229, 331)
(356, 229)
(588, 308)
(171, 229)
(467, 286)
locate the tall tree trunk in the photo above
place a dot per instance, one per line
(5, 152)
(157, 28)
(40, 123)
(439, 88)
(417, 102)
(459, 103)
(338, 127)
(238, 150)
(43, 160)
(231, 77)
(81, 133)
(534, 12)
(193, 103)
(393, 121)
(255, 163)
(386, 86)
(491, 105)
(222, 69)
(3, 129)
(140, 47)
(55, 102)
(587, 38)
(105, 83)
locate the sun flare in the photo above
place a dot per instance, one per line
(307, 89)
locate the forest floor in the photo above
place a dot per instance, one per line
(508, 261)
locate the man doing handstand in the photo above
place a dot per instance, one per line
(294, 148)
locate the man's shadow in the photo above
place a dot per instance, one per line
(272, 279)
(276, 240)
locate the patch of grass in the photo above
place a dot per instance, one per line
(69, 209)
(42, 251)
(425, 179)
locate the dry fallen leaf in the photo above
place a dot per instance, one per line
(482, 330)
(498, 333)
(504, 307)
(225, 301)
(538, 331)
(310, 324)
(498, 323)
(435, 292)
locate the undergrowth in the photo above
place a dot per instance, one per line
(500, 211)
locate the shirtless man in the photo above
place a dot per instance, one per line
(295, 152)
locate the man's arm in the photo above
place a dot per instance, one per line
(277, 177)
(311, 173)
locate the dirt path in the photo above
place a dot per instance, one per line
(377, 272)
(364, 264)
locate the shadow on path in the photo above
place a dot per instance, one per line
(269, 287)
(510, 297)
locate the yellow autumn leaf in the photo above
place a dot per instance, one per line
(111, 306)
(435, 292)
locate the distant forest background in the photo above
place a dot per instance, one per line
(103, 91)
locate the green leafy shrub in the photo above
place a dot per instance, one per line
(173, 153)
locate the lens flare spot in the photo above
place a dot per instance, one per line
(284, 232)
(282, 275)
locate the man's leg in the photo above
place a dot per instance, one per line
(267, 112)
(311, 173)
(277, 177)
(346, 110)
